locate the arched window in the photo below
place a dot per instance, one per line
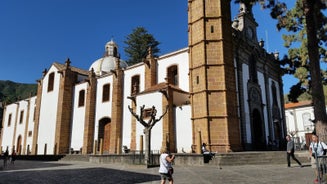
(105, 92)
(50, 81)
(172, 75)
(135, 85)
(81, 98)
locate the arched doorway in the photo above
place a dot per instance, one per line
(104, 134)
(258, 138)
(19, 145)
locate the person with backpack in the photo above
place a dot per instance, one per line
(290, 151)
(316, 149)
(166, 170)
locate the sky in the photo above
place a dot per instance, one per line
(36, 33)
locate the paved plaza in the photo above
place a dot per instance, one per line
(39, 172)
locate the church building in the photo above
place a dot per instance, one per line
(224, 90)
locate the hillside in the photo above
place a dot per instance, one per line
(12, 91)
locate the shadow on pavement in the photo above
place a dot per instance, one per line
(71, 176)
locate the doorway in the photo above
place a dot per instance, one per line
(104, 134)
(258, 137)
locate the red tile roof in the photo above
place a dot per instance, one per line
(298, 104)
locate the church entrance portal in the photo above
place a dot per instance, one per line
(258, 137)
(104, 133)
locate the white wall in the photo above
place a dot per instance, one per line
(31, 122)
(48, 113)
(245, 78)
(127, 117)
(262, 83)
(150, 100)
(179, 58)
(184, 129)
(103, 109)
(8, 131)
(78, 118)
(298, 120)
(20, 126)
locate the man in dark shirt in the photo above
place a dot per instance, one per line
(290, 151)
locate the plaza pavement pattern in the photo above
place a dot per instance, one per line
(76, 172)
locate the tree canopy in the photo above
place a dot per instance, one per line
(138, 43)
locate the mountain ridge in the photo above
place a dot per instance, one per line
(13, 91)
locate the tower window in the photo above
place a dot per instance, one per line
(135, 88)
(105, 92)
(9, 119)
(212, 29)
(197, 80)
(81, 98)
(50, 82)
(172, 75)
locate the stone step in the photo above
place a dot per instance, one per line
(234, 158)
(257, 158)
(76, 157)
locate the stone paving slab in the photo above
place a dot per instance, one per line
(86, 173)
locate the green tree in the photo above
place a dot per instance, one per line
(138, 43)
(308, 23)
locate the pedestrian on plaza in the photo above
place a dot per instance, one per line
(316, 149)
(290, 152)
(5, 158)
(166, 169)
(205, 151)
(13, 157)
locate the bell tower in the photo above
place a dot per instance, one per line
(212, 76)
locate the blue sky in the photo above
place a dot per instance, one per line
(36, 33)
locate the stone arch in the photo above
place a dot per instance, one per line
(104, 134)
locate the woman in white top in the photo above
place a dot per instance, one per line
(165, 169)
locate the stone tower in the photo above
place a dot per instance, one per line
(89, 113)
(64, 112)
(212, 76)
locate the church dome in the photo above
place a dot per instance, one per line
(108, 61)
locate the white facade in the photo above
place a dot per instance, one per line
(78, 118)
(299, 120)
(67, 120)
(48, 114)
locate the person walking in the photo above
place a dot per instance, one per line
(5, 158)
(316, 149)
(290, 152)
(166, 169)
(13, 157)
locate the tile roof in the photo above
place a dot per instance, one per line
(74, 69)
(163, 85)
(298, 104)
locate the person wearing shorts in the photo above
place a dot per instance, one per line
(165, 170)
